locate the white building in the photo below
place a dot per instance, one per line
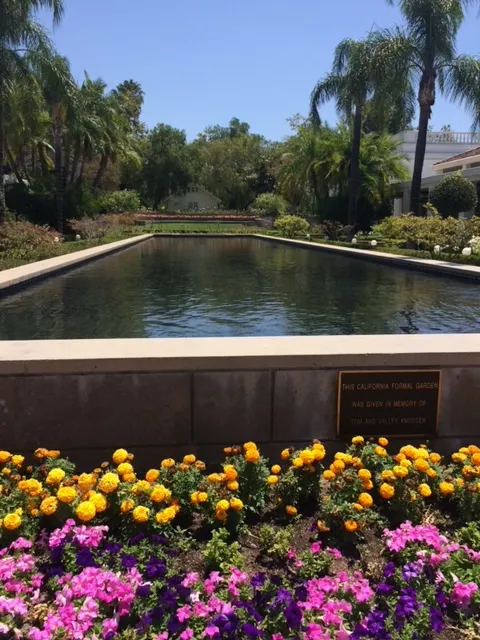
(195, 198)
(441, 146)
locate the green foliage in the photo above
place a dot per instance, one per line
(275, 543)
(453, 195)
(119, 202)
(334, 230)
(96, 227)
(253, 489)
(314, 564)
(470, 535)
(269, 204)
(221, 556)
(291, 226)
(19, 238)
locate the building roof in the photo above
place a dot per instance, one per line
(460, 156)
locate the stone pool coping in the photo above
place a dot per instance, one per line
(27, 272)
(137, 355)
(420, 264)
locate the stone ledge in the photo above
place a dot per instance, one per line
(237, 354)
(439, 267)
(18, 275)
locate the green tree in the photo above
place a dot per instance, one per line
(424, 53)
(21, 37)
(453, 195)
(168, 164)
(353, 80)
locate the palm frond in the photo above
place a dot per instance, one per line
(325, 90)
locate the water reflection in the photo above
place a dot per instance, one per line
(179, 287)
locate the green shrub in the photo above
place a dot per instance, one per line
(269, 204)
(291, 226)
(334, 230)
(453, 195)
(220, 555)
(275, 543)
(19, 239)
(119, 202)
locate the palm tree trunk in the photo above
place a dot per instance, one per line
(426, 98)
(43, 161)
(355, 177)
(32, 159)
(101, 171)
(59, 173)
(3, 206)
(76, 158)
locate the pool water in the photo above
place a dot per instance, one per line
(233, 286)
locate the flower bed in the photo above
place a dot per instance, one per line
(300, 549)
(220, 217)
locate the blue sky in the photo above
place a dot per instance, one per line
(202, 62)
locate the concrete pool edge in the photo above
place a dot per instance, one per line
(439, 267)
(11, 278)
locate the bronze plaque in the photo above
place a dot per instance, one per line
(391, 403)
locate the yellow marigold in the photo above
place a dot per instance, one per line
(464, 450)
(386, 491)
(232, 485)
(86, 511)
(119, 456)
(468, 471)
(322, 527)
(168, 463)
(476, 459)
(53, 453)
(318, 452)
(435, 457)
(66, 494)
(230, 472)
(338, 466)
(307, 456)
(459, 457)
(200, 465)
(227, 451)
(290, 510)
(129, 477)
(364, 474)
(223, 505)
(252, 455)
(431, 473)
(421, 465)
(380, 451)
(152, 475)
(406, 463)
(297, 462)
(383, 442)
(48, 506)
(357, 507)
(367, 484)
(194, 497)
(166, 515)
(109, 482)
(99, 501)
(183, 466)
(18, 460)
(339, 455)
(12, 521)
(388, 474)
(249, 445)
(446, 488)
(5, 456)
(124, 467)
(285, 454)
(142, 486)
(272, 479)
(214, 477)
(348, 459)
(127, 505)
(202, 496)
(236, 504)
(366, 500)
(460, 482)
(85, 481)
(55, 476)
(409, 451)
(6, 471)
(358, 440)
(141, 514)
(422, 453)
(328, 475)
(33, 512)
(189, 459)
(221, 515)
(424, 490)
(160, 493)
(276, 469)
(399, 471)
(350, 525)
(399, 457)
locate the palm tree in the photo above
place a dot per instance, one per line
(354, 80)
(424, 54)
(20, 38)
